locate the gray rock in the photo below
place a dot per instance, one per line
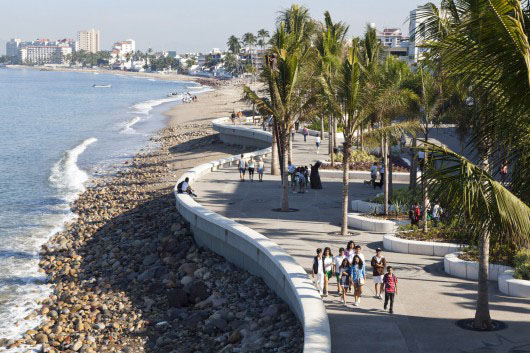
(150, 259)
(177, 298)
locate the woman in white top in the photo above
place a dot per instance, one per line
(318, 142)
(251, 169)
(261, 168)
(328, 268)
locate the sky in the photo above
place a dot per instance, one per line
(184, 26)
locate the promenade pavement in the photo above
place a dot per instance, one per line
(429, 301)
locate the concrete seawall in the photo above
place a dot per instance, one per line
(251, 250)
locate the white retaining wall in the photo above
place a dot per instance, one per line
(357, 221)
(469, 269)
(368, 207)
(513, 287)
(255, 253)
(395, 244)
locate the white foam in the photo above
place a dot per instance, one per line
(128, 126)
(147, 106)
(66, 175)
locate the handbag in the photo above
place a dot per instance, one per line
(361, 281)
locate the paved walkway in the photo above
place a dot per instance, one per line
(429, 301)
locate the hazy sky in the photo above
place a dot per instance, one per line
(184, 26)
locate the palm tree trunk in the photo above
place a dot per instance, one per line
(275, 167)
(290, 159)
(345, 187)
(385, 181)
(362, 137)
(322, 128)
(334, 134)
(413, 167)
(285, 177)
(424, 187)
(330, 137)
(482, 312)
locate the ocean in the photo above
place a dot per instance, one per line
(56, 132)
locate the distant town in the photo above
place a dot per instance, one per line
(242, 56)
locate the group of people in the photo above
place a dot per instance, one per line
(299, 178)
(252, 166)
(234, 115)
(434, 213)
(374, 169)
(349, 270)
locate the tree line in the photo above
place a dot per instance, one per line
(474, 72)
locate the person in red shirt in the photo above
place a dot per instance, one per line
(390, 280)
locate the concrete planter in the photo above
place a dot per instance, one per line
(399, 178)
(395, 244)
(514, 287)
(469, 269)
(368, 207)
(358, 221)
(251, 250)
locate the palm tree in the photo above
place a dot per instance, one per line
(287, 74)
(483, 46)
(347, 97)
(233, 45)
(263, 35)
(329, 48)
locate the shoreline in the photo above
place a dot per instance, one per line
(124, 272)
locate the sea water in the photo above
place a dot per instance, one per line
(56, 131)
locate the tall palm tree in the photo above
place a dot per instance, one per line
(347, 97)
(288, 76)
(483, 45)
(329, 47)
(263, 35)
(233, 44)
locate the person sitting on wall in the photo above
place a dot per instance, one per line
(184, 187)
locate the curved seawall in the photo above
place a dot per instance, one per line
(251, 250)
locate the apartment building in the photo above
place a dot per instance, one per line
(88, 40)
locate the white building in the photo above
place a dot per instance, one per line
(124, 47)
(12, 47)
(43, 54)
(416, 26)
(391, 37)
(88, 40)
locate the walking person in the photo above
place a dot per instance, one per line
(358, 278)
(403, 142)
(504, 171)
(251, 169)
(378, 265)
(242, 168)
(291, 169)
(382, 172)
(436, 213)
(391, 289)
(337, 263)
(328, 268)
(373, 174)
(318, 269)
(305, 132)
(317, 141)
(415, 214)
(350, 251)
(345, 279)
(261, 169)
(292, 133)
(233, 117)
(359, 253)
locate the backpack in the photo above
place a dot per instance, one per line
(179, 187)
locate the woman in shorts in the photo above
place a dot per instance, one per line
(344, 272)
(328, 268)
(261, 168)
(251, 169)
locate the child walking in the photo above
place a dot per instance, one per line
(344, 271)
(390, 280)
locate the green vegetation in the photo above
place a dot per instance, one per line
(521, 262)
(440, 233)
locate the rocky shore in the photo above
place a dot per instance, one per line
(127, 276)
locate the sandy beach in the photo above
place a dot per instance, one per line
(127, 276)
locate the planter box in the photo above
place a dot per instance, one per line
(469, 269)
(514, 287)
(368, 207)
(395, 244)
(357, 221)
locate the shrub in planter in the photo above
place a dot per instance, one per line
(522, 264)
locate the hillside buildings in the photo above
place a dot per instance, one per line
(88, 40)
